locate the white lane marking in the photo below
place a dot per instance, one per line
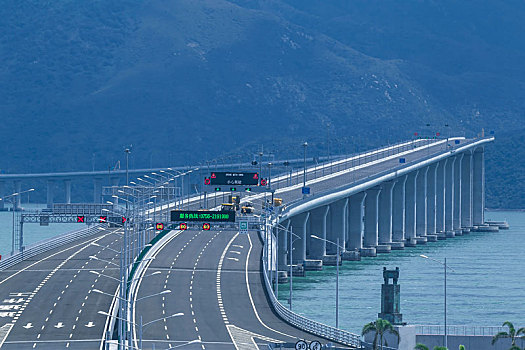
(59, 325)
(234, 259)
(28, 325)
(250, 294)
(237, 246)
(218, 279)
(235, 252)
(90, 324)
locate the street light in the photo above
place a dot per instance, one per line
(305, 145)
(128, 151)
(337, 276)
(13, 197)
(445, 336)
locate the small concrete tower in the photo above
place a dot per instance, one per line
(390, 296)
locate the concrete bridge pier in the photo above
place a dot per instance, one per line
(67, 190)
(336, 228)
(2, 194)
(398, 213)
(18, 199)
(316, 248)
(456, 221)
(440, 200)
(478, 187)
(385, 218)
(97, 190)
(410, 209)
(355, 225)
(114, 182)
(449, 197)
(282, 250)
(421, 206)
(50, 193)
(431, 203)
(371, 226)
(299, 224)
(466, 192)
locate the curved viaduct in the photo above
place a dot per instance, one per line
(373, 203)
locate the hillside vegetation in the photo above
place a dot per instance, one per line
(185, 81)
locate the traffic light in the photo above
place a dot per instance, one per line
(233, 189)
(124, 219)
(81, 219)
(207, 181)
(248, 189)
(103, 219)
(217, 189)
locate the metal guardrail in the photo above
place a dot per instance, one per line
(320, 329)
(459, 330)
(46, 245)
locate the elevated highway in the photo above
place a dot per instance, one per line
(216, 278)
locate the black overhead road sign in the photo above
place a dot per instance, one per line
(234, 178)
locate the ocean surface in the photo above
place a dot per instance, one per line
(486, 289)
(32, 232)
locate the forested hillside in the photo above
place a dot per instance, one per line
(185, 81)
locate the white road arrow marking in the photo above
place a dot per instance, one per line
(29, 325)
(59, 325)
(90, 324)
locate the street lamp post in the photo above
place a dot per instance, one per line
(445, 335)
(305, 145)
(337, 276)
(13, 197)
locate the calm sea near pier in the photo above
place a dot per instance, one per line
(32, 232)
(486, 289)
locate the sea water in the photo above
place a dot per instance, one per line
(486, 288)
(32, 232)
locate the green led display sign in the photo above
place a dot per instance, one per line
(202, 215)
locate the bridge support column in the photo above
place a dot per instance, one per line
(50, 193)
(2, 193)
(456, 223)
(385, 217)
(67, 190)
(478, 187)
(299, 224)
(440, 199)
(410, 209)
(466, 192)
(421, 206)
(18, 199)
(114, 182)
(317, 247)
(355, 221)
(282, 250)
(371, 226)
(97, 190)
(431, 203)
(337, 226)
(398, 212)
(449, 197)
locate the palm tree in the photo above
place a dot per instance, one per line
(420, 346)
(380, 327)
(512, 334)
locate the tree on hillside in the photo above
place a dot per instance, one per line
(513, 334)
(380, 327)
